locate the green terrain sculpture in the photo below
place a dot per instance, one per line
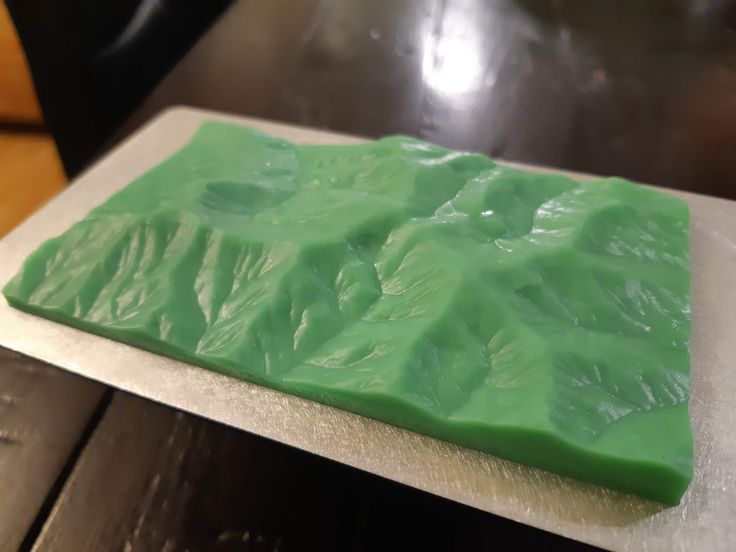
(526, 315)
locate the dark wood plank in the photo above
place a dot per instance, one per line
(152, 478)
(43, 415)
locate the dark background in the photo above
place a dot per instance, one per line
(645, 90)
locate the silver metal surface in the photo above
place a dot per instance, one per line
(705, 520)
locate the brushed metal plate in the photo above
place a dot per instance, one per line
(705, 520)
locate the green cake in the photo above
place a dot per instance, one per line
(526, 315)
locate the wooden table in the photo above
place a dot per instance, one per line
(645, 92)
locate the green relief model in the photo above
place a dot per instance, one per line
(530, 316)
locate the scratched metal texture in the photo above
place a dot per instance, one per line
(705, 520)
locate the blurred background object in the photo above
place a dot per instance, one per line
(94, 62)
(18, 102)
(30, 171)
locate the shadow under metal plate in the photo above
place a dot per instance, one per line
(705, 520)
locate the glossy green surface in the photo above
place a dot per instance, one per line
(526, 315)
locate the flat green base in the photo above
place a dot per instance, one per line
(530, 316)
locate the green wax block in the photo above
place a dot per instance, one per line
(526, 315)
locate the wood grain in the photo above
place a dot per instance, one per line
(30, 175)
(153, 478)
(43, 414)
(18, 101)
